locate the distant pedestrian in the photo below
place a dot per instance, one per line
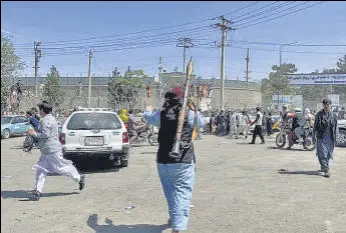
(326, 132)
(228, 123)
(245, 122)
(212, 123)
(342, 114)
(258, 127)
(221, 123)
(33, 121)
(269, 124)
(36, 113)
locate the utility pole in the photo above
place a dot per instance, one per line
(37, 60)
(280, 68)
(224, 26)
(160, 84)
(185, 43)
(247, 64)
(89, 78)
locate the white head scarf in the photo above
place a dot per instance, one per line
(306, 111)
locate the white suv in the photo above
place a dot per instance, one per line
(95, 132)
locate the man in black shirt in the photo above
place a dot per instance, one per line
(298, 124)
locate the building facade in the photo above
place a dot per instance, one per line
(238, 94)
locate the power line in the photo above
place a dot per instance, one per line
(240, 9)
(259, 13)
(108, 47)
(276, 43)
(98, 66)
(131, 39)
(143, 31)
(280, 16)
(275, 50)
(134, 41)
(256, 10)
(273, 12)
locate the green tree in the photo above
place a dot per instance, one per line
(176, 69)
(135, 74)
(52, 91)
(10, 66)
(116, 72)
(341, 64)
(123, 90)
(277, 83)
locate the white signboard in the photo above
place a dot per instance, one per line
(317, 79)
(291, 101)
(335, 99)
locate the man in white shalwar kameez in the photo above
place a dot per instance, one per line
(51, 160)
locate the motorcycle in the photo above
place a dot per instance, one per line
(29, 143)
(147, 134)
(285, 130)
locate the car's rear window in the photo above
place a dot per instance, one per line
(97, 120)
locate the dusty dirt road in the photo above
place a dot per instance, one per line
(239, 188)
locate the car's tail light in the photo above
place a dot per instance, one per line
(62, 138)
(125, 137)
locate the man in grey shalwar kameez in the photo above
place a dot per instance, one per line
(51, 160)
(327, 132)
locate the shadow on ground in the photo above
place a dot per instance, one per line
(149, 153)
(278, 148)
(18, 194)
(90, 166)
(109, 227)
(309, 173)
(248, 143)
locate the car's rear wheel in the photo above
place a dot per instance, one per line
(124, 163)
(5, 134)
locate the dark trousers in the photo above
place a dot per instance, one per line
(257, 131)
(269, 129)
(324, 162)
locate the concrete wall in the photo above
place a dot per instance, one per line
(235, 98)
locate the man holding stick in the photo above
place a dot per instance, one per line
(176, 156)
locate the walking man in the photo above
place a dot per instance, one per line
(51, 159)
(326, 132)
(258, 127)
(177, 174)
(269, 124)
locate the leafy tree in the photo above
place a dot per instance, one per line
(341, 64)
(52, 91)
(116, 72)
(10, 66)
(176, 69)
(135, 74)
(277, 83)
(122, 90)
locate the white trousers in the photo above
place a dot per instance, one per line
(244, 129)
(54, 163)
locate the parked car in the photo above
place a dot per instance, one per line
(14, 125)
(95, 133)
(342, 133)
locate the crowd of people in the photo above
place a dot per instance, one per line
(177, 170)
